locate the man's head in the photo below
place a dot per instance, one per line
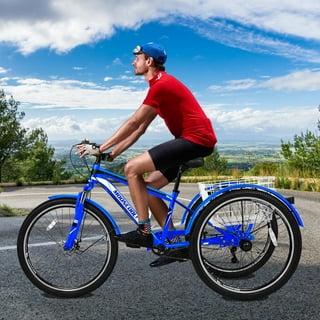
(155, 51)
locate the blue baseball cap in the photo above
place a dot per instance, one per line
(154, 50)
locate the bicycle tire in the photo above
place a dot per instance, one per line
(62, 273)
(246, 207)
(246, 267)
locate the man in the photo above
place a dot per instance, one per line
(185, 119)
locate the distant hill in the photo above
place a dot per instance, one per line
(239, 155)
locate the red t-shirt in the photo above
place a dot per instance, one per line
(181, 112)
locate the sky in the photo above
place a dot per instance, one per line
(254, 66)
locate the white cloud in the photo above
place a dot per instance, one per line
(78, 68)
(117, 62)
(288, 17)
(67, 127)
(3, 70)
(244, 123)
(63, 24)
(232, 85)
(301, 80)
(251, 124)
(99, 128)
(73, 94)
(249, 39)
(4, 81)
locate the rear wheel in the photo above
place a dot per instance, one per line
(242, 261)
(262, 234)
(66, 273)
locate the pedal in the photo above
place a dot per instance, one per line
(131, 245)
(179, 259)
(182, 260)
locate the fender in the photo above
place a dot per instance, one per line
(95, 204)
(187, 211)
(218, 193)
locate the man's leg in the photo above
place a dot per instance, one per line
(134, 171)
(157, 206)
(159, 210)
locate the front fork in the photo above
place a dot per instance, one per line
(77, 221)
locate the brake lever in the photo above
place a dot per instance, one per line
(85, 141)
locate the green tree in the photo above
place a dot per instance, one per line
(40, 164)
(319, 120)
(25, 155)
(35, 162)
(213, 164)
(303, 154)
(11, 132)
(265, 169)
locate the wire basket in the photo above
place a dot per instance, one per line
(207, 188)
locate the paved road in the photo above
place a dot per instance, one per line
(135, 291)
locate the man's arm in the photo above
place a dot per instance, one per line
(130, 131)
(129, 141)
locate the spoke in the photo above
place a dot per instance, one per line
(91, 245)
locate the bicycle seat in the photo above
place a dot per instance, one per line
(194, 163)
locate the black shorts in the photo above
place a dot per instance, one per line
(169, 155)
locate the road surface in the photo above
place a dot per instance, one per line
(136, 291)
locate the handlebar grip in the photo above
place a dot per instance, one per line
(106, 157)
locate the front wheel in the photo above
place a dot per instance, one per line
(262, 235)
(69, 273)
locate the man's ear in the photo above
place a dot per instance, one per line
(149, 61)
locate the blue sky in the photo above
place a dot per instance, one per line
(253, 65)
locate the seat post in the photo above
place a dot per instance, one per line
(194, 163)
(178, 178)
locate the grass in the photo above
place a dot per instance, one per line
(6, 211)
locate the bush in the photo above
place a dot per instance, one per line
(282, 183)
(20, 181)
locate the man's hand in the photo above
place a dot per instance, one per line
(88, 150)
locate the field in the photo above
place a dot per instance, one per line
(245, 156)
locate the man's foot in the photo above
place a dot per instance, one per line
(174, 255)
(136, 239)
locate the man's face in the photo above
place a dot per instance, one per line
(140, 64)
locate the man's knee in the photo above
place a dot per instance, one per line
(133, 168)
(130, 169)
(139, 165)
